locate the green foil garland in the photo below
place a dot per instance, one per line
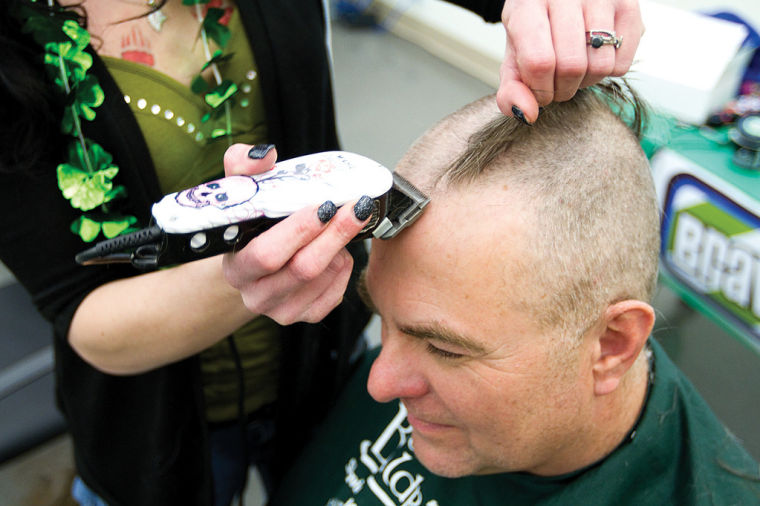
(86, 177)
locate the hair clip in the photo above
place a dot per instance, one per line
(225, 214)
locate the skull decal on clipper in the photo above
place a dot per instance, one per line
(221, 193)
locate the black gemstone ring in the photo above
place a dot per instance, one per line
(599, 38)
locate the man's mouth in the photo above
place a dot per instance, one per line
(425, 426)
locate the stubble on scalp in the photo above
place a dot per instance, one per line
(588, 192)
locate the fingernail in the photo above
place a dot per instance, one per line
(326, 211)
(519, 114)
(363, 208)
(259, 151)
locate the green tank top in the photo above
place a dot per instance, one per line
(185, 153)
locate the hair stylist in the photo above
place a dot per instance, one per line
(117, 102)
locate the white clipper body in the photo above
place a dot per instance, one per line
(225, 214)
(290, 185)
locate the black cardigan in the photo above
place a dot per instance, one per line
(142, 439)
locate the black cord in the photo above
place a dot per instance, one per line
(242, 419)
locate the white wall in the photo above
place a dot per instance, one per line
(464, 40)
(749, 10)
(678, 69)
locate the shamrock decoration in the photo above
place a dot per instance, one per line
(86, 177)
(67, 62)
(43, 28)
(219, 98)
(87, 95)
(89, 229)
(214, 29)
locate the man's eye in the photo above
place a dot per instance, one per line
(443, 353)
(213, 186)
(221, 197)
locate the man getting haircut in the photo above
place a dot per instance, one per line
(516, 364)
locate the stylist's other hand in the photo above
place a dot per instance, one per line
(546, 57)
(297, 270)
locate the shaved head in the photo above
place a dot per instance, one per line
(586, 191)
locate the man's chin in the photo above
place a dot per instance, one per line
(447, 464)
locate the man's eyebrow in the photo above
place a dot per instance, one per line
(438, 332)
(434, 331)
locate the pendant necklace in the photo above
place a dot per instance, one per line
(156, 18)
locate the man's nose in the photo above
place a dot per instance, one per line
(395, 374)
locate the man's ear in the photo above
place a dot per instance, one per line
(627, 325)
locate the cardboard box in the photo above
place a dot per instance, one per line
(688, 65)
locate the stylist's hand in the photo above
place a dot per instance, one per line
(547, 58)
(297, 270)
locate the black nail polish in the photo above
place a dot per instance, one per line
(326, 211)
(363, 208)
(519, 114)
(259, 151)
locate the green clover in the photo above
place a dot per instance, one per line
(86, 179)
(88, 95)
(218, 132)
(86, 228)
(219, 57)
(215, 30)
(76, 33)
(85, 96)
(83, 190)
(199, 85)
(68, 58)
(115, 227)
(43, 28)
(216, 114)
(216, 97)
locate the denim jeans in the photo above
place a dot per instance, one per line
(84, 495)
(228, 460)
(228, 456)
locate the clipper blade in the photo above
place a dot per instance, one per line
(405, 206)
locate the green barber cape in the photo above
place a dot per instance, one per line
(680, 454)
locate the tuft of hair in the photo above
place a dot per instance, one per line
(587, 189)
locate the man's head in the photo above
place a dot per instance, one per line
(514, 311)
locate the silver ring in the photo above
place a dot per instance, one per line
(599, 38)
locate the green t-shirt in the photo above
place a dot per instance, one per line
(679, 454)
(186, 153)
(171, 116)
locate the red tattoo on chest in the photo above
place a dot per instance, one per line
(136, 48)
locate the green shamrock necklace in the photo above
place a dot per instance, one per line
(86, 176)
